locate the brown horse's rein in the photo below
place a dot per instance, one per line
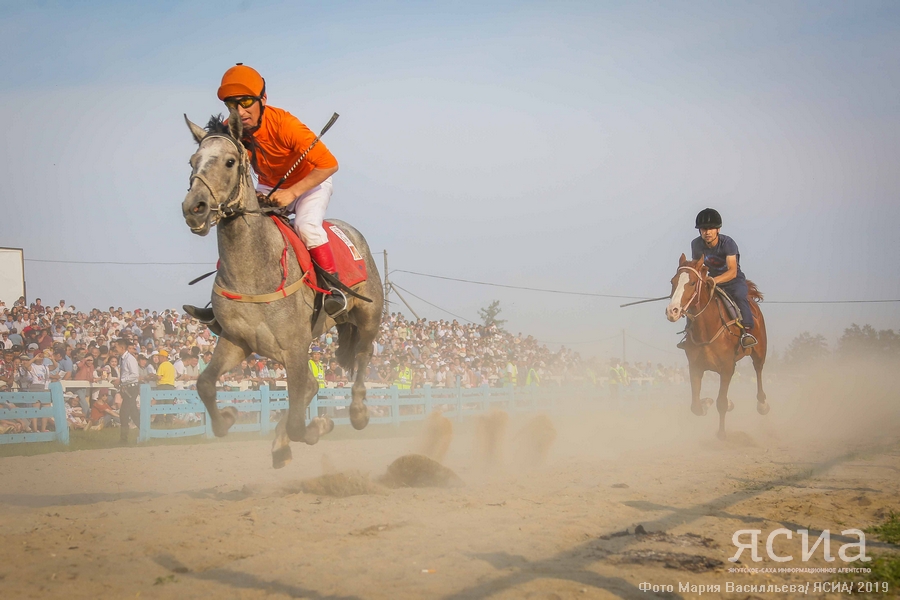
(701, 280)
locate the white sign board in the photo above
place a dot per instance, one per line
(12, 275)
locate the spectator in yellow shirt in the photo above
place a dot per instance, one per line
(165, 372)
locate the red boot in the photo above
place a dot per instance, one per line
(335, 303)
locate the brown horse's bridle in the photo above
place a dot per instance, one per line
(701, 280)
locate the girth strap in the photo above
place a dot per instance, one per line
(261, 298)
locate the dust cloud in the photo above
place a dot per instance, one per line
(608, 491)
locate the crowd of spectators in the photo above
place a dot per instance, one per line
(40, 344)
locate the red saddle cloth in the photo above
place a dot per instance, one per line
(349, 260)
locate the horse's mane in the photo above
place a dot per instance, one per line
(217, 124)
(753, 292)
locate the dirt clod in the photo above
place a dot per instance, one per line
(340, 485)
(415, 470)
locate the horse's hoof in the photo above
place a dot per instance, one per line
(281, 457)
(359, 418)
(698, 408)
(228, 416)
(327, 425)
(762, 408)
(730, 406)
(721, 434)
(311, 437)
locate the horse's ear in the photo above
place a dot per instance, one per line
(198, 132)
(682, 260)
(234, 123)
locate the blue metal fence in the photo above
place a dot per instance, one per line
(36, 405)
(387, 405)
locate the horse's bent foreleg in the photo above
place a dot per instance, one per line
(302, 386)
(226, 356)
(723, 404)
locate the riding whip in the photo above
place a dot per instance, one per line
(328, 125)
(643, 301)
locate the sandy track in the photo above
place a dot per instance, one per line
(216, 521)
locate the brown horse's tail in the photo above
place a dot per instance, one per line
(348, 340)
(753, 292)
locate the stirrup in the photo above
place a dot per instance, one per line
(747, 340)
(335, 303)
(682, 344)
(204, 315)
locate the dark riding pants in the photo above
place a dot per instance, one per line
(129, 409)
(737, 289)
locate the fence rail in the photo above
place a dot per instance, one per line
(260, 409)
(387, 405)
(35, 405)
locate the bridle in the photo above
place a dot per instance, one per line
(701, 280)
(233, 206)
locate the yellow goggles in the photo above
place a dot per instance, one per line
(242, 101)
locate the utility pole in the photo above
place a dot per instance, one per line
(387, 290)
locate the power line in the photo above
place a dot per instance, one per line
(430, 304)
(531, 289)
(518, 287)
(111, 262)
(827, 301)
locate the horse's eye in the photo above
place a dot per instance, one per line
(229, 163)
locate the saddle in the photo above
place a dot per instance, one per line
(351, 266)
(731, 307)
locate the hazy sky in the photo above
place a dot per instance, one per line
(562, 144)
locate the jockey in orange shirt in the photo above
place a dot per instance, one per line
(275, 139)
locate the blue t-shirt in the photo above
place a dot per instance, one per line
(714, 258)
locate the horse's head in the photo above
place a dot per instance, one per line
(219, 172)
(686, 286)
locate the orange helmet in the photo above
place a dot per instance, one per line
(241, 80)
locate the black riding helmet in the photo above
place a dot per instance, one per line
(708, 218)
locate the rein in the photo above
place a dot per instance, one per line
(233, 206)
(701, 280)
(228, 209)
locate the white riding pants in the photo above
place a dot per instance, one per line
(309, 212)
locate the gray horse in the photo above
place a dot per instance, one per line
(250, 252)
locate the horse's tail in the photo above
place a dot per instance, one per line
(348, 340)
(753, 292)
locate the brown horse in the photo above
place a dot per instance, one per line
(713, 337)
